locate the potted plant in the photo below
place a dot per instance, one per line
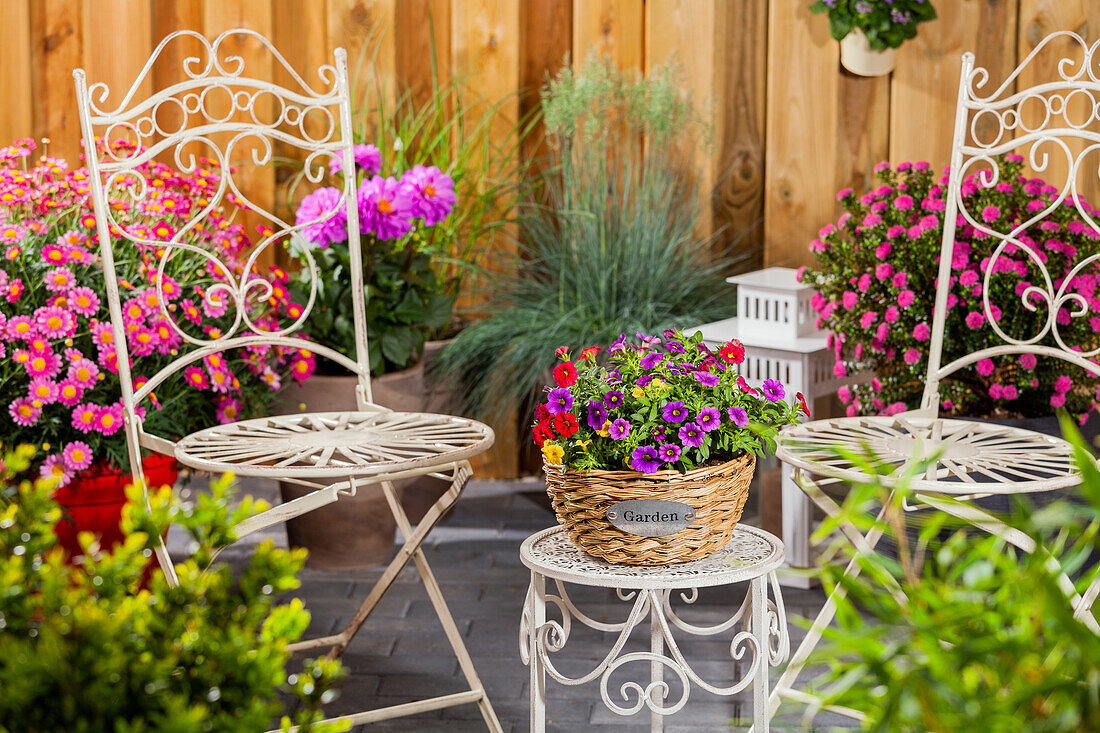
(870, 31)
(59, 382)
(877, 268)
(666, 419)
(96, 647)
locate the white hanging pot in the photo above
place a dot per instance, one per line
(857, 56)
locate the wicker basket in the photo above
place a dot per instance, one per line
(716, 493)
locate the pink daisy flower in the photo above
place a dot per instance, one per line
(84, 417)
(84, 372)
(214, 304)
(11, 233)
(108, 420)
(21, 327)
(77, 455)
(190, 311)
(142, 341)
(54, 322)
(103, 336)
(196, 378)
(24, 411)
(302, 368)
(133, 313)
(69, 392)
(43, 365)
(14, 290)
(54, 254)
(228, 410)
(59, 279)
(84, 301)
(43, 390)
(54, 469)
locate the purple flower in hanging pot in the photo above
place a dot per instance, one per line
(739, 416)
(773, 390)
(708, 419)
(613, 399)
(618, 429)
(559, 400)
(706, 378)
(597, 415)
(674, 412)
(669, 452)
(645, 459)
(691, 435)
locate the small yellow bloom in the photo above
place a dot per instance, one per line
(659, 385)
(553, 453)
(637, 393)
(602, 432)
(583, 444)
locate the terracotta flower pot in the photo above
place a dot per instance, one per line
(357, 532)
(94, 499)
(857, 56)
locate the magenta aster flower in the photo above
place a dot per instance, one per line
(708, 419)
(325, 216)
(739, 416)
(773, 390)
(431, 191)
(618, 429)
(691, 435)
(84, 417)
(669, 452)
(196, 378)
(43, 390)
(21, 327)
(645, 459)
(559, 400)
(367, 157)
(674, 412)
(24, 412)
(45, 364)
(385, 208)
(58, 279)
(77, 455)
(53, 468)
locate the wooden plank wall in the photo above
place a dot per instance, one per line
(791, 127)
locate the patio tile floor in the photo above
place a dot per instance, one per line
(401, 653)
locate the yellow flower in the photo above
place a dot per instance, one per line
(583, 444)
(637, 393)
(659, 385)
(553, 453)
(602, 432)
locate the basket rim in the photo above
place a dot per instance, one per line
(743, 457)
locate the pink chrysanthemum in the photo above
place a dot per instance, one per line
(385, 208)
(921, 332)
(906, 298)
(141, 340)
(911, 356)
(214, 303)
(24, 411)
(84, 372)
(1028, 361)
(77, 455)
(196, 378)
(69, 392)
(985, 367)
(221, 380)
(21, 327)
(103, 336)
(108, 420)
(133, 312)
(14, 290)
(43, 365)
(990, 214)
(11, 233)
(974, 320)
(432, 192)
(54, 254)
(54, 469)
(54, 322)
(84, 301)
(108, 360)
(59, 279)
(84, 417)
(302, 368)
(325, 215)
(43, 390)
(228, 410)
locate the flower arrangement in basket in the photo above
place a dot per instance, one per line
(59, 387)
(664, 419)
(403, 243)
(876, 273)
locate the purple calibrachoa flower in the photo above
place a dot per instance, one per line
(669, 452)
(618, 429)
(597, 415)
(326, 216)
(559, 400)
(651, 359)
(645, 459)
(618, 345)
(674, 412)
(707, 379)
(709, 419)
(773, 390)
(613, 399)
(675, 347)
(739, 416)
(691, 435)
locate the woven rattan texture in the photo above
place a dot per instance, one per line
(716, 493)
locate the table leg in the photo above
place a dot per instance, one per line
(656, 669)
(538, 673)
(760, 713)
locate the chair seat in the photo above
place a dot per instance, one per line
(977, 457)
(332, 444)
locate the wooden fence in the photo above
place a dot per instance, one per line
(792, 128)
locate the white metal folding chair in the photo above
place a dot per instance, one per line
(335, 454)
(976, 459)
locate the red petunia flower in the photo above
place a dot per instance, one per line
(588, 352)
(565, 374)
(562, 352)
(566, 424)
(541, 433)
(802, 403)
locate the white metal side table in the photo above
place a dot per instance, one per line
(760, 637)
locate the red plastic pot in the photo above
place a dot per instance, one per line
(94, 499)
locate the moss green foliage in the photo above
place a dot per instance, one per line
(85, 648)
(610, 248)
(968, 633)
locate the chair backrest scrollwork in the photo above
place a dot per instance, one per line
(213, 118)
(1054, 129)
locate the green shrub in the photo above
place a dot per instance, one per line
(86, 648)
(972, 634)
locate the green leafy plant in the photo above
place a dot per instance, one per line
(967, 633)
(90, 648)
(612, 250)
(667, 403)
(886, 23)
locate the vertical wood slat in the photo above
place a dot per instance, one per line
(17, 118)
(422, 31)
(485, 46)
(365, 28)
(802, 113)
(57, 49)
(108, 60)
(1039, 18)
(547, 41)
(169, 17)
(614, 28)
(925, 85)
(740, 94)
